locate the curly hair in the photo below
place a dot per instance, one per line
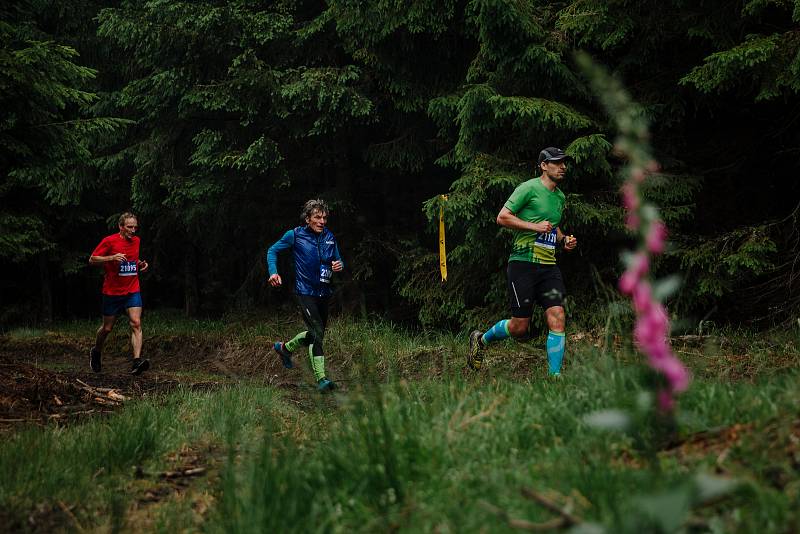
(315, 204)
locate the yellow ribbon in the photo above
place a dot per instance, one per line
(442, 251)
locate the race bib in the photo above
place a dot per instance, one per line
(548, 240)
(325, 274)
(128, 268)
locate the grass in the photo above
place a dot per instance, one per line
(26, 333)
(432, 454)
(91, 462)
(419, 444)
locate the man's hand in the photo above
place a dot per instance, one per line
(275, 280)
(142, 265)
(570, 242)
(543, 227)
(119, 256)
(337, 266)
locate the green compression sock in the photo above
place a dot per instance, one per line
(292, 344)
(317, 363)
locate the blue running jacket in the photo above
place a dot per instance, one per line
(313, 255)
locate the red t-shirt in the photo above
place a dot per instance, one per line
(121, 277)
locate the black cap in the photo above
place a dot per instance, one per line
(552, 153)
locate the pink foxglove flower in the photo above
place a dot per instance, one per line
(651, 331)
(656, 237)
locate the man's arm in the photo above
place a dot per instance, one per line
(569, 241)
(97, 260)
(507, 219)
(337, 264)
(98, 255)
(284, 243)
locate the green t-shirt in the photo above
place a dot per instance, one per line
(532, 202)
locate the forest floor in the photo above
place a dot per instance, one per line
(47, 379)
(46, 383)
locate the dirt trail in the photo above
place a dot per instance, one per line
(47, 379)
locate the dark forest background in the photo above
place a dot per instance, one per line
(215, 120)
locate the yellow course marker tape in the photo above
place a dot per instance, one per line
(442, 250)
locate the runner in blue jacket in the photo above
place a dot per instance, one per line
(316, 258)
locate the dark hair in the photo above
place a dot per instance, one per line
(125, 216)
(315, 204)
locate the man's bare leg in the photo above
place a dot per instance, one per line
(135, 321)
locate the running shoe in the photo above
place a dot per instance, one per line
(94, 359)
(324, 385)
(139, 366)
(475, 356)
(286, 356)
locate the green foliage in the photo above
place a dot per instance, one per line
(225, 116)
(596, 23)
(731, 260)
(22, 237)
(46, 142)
(50, 141)
(328, 92)
(766, 64)
(724, 70)
(387, 36)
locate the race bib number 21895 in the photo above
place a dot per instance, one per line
(128, 268)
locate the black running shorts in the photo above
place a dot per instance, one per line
(532, 282)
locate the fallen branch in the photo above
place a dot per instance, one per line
(105, 402)
(454, 426)
(191, 472)
(85, 386)
(569, 518)
(66, 414)
(71, 516)
(102, 395)
(113, 394)
(523, 524)
(480, 415)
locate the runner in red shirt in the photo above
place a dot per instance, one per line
(119, 256)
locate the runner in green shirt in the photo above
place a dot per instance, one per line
(533, 212)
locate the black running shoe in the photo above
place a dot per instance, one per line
(324, 385)
(286, 356)
(139, 366)
(94, 359)
(475, 356)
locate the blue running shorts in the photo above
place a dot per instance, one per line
(114, 305)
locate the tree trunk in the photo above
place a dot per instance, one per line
(191, 291)
(46, 304)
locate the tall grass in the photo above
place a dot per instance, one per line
(416, 443)
(439, 454)
(90, 462)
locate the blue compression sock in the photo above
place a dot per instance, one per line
(497, 332)
(556, 342)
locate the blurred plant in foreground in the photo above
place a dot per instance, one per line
(652, 424)
(643, 220)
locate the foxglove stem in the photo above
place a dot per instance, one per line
(651, 330)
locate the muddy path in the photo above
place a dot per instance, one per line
(46, 380)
